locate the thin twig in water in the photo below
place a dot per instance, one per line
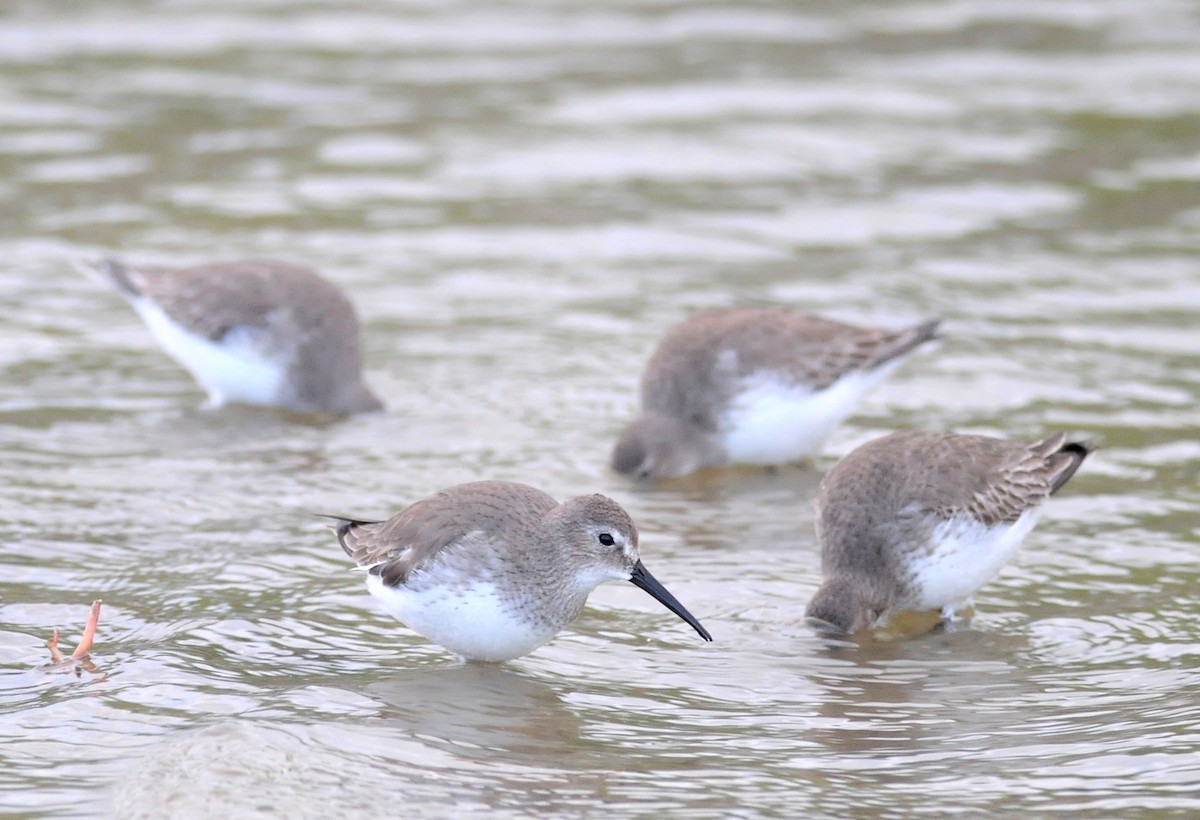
(85, 643)
(56, 655)
(89, 632)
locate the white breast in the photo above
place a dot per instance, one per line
(234, 370)
(471, 621)
(774, 422)
(965, 555)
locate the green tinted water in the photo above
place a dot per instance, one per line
(520, 198)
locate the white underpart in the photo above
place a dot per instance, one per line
(233, 370)
(774, 422)
(965, 554)
(471, 621)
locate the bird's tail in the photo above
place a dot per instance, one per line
(905, 341)
(1063, 457)
(343, 528)
(111, 272)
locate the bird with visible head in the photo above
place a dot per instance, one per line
(491, 570)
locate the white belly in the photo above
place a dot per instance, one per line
(965, 555)
(772, 422)
(234, 370)
(469, 621)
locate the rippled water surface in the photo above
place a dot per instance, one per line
(520, 198)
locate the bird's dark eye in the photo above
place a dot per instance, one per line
(606, 539)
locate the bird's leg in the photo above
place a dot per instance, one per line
(957, 612)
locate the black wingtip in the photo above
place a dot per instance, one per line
(929, 329)
(902, 342)
(114, 273)
(342, 527)
(1076, 452)
(1082, 448)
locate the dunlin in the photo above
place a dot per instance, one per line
(264, 333)
(919, 521)
(753, 386)
(492, 570)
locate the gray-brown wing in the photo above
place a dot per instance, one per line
(1038, 472)
(895, 489)
(211, 300)
(414, 536)
(992, 480)
(700, 362)
(815, 351)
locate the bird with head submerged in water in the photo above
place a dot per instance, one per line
(918, 521)
(755, 386)
(253, 332)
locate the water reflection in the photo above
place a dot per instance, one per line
(478, 710)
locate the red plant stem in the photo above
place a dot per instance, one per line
(56, 655)
(89, 632)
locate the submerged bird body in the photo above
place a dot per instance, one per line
(255, 332)
(753, 386)
(491, 570)
(920, 521)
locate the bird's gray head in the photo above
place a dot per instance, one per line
(598, 537)
(658, 446)
(845, 604)
(601, 542)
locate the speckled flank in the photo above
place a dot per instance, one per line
(239, 369)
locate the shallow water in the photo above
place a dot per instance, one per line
(520, 198)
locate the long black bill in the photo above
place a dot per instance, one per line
(642, 578)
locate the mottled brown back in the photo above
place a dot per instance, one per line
(894, 490)
(504, 511)
(210, 300)
(700, 362)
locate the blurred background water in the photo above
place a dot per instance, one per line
(521, 197)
